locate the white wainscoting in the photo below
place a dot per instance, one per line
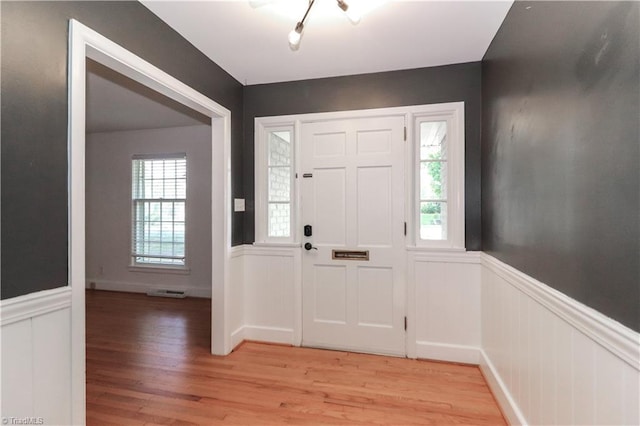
(36, 356)
(272, 294)
(444, 306)
(548, 359)
(551, 360)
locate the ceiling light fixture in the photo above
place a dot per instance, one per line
(350, 11)
(296, 34)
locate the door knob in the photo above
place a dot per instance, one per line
(308, 246)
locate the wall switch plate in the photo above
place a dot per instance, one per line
(238, 204)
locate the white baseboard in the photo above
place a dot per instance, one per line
(501, 392)
(128, 287)
(448, 352)
(237, 337)
(268, 334)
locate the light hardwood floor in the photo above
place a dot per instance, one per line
(149, 362)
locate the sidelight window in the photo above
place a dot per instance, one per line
(439, 172)
(433, 180)
(279, 178)
(275, 183)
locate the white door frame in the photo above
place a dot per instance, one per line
(85, 43)
(411, 113)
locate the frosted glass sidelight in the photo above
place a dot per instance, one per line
(279, 181)
(279, 219)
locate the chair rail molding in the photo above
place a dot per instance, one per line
(34, 304)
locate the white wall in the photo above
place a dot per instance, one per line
(108, 171)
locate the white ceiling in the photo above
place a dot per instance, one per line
(250, 42)
(116, 103)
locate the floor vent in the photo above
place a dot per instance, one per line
(176, 294)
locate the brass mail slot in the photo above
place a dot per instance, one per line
(350, 254)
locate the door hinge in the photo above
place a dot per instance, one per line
(405, 228)
(405, 133)
(405, 323)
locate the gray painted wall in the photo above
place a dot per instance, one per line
(108, 212)
(561, 150)
(34, 122)
(388, 89)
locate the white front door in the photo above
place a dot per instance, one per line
(353, 283)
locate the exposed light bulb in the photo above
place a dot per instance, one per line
(295, 35)
(351, 12)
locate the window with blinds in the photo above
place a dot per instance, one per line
(159, 193)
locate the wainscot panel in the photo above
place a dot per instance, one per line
(271, 277)
(36, 356)
(444, 303)
(552, 360)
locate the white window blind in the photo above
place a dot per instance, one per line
(159, 192)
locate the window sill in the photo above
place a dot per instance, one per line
(160, 269)
(272, 244)
(436, 249)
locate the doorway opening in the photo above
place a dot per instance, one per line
(84, 44)
(148, 230)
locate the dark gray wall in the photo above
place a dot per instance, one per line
(450, 83)
(561, 150)
(34, 122)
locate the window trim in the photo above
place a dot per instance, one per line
(264, 126)
(148, 266)
(453, 115)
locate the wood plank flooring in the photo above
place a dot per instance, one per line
(149, 362)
